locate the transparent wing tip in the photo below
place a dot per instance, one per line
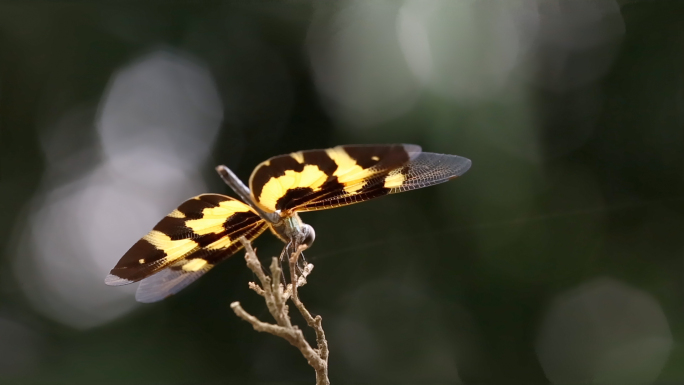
(463, 166)
(150, 297)
(113, 280)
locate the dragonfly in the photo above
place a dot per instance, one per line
(206, 230)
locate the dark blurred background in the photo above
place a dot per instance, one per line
(557, 259)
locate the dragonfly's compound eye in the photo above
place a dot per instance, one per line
(309, 235)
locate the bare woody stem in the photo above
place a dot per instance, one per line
(276, 301)
(314, 323)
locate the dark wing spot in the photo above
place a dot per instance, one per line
(372, 192)
(241, 219)
(234, 224)
(276, 167)
(212, 199)
(174, 227)
(207, 239)
(321, 159)
(247, 232)
(127, 267)
(292, 197)
(192, 208)
(389, 157)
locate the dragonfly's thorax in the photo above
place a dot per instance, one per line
(291, 229)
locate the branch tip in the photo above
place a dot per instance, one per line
(276, 295)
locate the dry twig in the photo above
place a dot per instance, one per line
(276, 300)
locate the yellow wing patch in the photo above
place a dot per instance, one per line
(194, 264)
(298, 156)
(310, 176)
(213, 217)
(394, 179)
(348, 170)
(173, 249)
(176, 214)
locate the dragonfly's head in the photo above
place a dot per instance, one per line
(308, 235)
(294, 232)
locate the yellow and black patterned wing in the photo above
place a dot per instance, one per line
(187, 243)
(343, 175)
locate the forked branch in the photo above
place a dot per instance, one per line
(276, 297)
